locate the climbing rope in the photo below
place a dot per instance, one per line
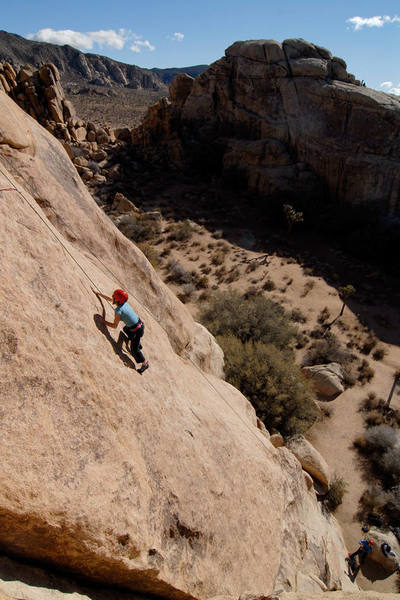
(132, 294)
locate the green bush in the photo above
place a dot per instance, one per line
(149, 252)
(181, 232)
(327, 350)
(379, 353)
(255, 318)
(272, 382)
(255, 334)
(336, 491)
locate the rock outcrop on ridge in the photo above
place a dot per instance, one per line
(285, 119)
(162, 483)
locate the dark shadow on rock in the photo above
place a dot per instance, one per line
(116, 345)
(41, 578)
(374, 571)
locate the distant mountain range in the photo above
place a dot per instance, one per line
(79, 69)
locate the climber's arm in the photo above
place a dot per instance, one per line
(113, 325)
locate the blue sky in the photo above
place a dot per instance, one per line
(174, 33)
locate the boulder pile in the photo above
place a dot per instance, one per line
(39, 92)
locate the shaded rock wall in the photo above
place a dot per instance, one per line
(161, 483)
(288, 119)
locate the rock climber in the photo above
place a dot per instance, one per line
(134, 326)
(362, 552)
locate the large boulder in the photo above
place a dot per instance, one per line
(391, 561)
(310, 459)
(161, 483)
(327, 379)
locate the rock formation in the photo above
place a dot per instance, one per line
(310, 459)
(162, 483)
(285, 119)
(327, 379)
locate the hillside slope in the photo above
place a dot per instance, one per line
(81, 68)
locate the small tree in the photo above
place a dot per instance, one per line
(292, 216)
(344, 294)
(396, 380)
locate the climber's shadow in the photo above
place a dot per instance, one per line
(116, 345)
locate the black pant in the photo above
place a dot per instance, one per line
(362, 555)
(136, 346)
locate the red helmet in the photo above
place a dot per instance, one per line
(120, 296)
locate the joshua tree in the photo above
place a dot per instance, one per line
(292, 216)
(344, 294)
(396, 380)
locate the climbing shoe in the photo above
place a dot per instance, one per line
(143, 368)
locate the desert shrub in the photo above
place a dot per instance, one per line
(379, 353)
(336, 491)
(204, 296)
(149, 252)
(187, 292)
(380, 438)
(326, 410)
(275, 386)
(251, 267)
(327, 350)
(255, 334)
(181, 232)
(233, 275)
(205, 269)
(374, 418)
(365, 372)
(323, 315)
(301, 340)
(297, 316)
(391, 462)
(251, 292)
(178, 273)
(201, 282)
(253, 317)
(269, 285)
(218, 258)
(308, 286)
(220, 273)
(381, 507)
(370, 402)
(140, 229)
(368, 345)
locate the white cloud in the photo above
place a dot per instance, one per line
(176, 37)
(389, 88)
(89, 39)
(138, 45)
(377, 21)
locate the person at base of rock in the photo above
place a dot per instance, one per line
(362, 552)
(134, 326)
(387, 550)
